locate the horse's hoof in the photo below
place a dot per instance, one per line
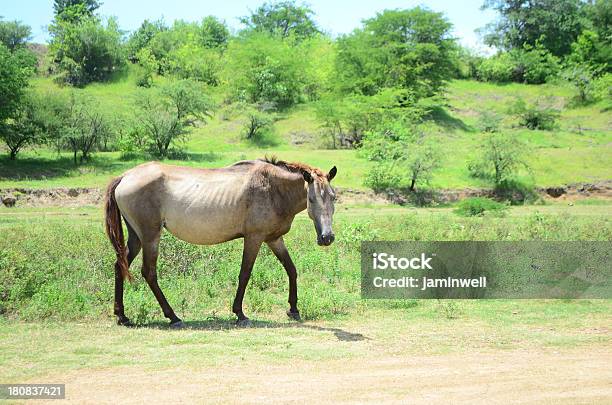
(243, 323)
(124, 321)
(294, 315)
(178, 324)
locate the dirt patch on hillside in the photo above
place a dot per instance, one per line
(567, 376)
(75, 197)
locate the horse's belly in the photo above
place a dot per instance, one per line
(204, 228)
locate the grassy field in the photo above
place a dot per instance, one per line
(56, 323)
(578, 151)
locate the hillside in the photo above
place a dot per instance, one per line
(580, 150)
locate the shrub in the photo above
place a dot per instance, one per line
(535, 116)
(164, 116)
(384, 176)
(534, 64)
(499, 68)
(489, 122)
(478, 206)
(264, 68)
(147, 67)
(256, 123)
(500, 158)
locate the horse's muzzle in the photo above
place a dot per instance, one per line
(326, 239)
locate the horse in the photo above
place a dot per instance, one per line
(256, 200)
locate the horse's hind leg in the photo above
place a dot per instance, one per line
(133, 246)
(150, 251)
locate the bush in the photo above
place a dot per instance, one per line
(164, 116)
(499, 69)
(147, 67)
(489, 122)
(478, 206)
(534, 64)
(516, 192)
(531, 64)
(257, 123)
(500, 158)
(535, 116)
(263, 68)
(384, 176)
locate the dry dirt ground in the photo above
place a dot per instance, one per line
(77, 197)
(550, 376)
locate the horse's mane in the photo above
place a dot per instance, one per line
(293, 167)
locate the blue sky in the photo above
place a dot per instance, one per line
(334, 16)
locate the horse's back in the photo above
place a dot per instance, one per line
(203, 206)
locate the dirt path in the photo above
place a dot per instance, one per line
(572, 376)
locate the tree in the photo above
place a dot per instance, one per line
(86, 50)
(556, 23)
(82, 7)
(27, 125)
(599, 13)
(263, 68)
(141, 38)
(409, 49)
(404, 156)
(14, 34)
(165, 116)
(256, 123)
(284, 18)
(15, 71)
(214, 33)
(500, 158)
(591, 53)
(79, 125)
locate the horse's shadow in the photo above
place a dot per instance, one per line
(216, 323)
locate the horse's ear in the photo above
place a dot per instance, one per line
(332, 173)
(307, 176)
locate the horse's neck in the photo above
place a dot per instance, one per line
(292, 191)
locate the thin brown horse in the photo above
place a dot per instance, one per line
(255, 200)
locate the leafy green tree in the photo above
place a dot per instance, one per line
(590, 52)
(256, 123)
(599, 13)
(404, 156)
(284, 18)
(143, 36)
(62, 8)
(409, 49)
(80, 126)
(15, 71)
(214, 33)
(191, 50)
(500, 158)
(556, 23)
(26, 127)
(86, 50)
(14, 34)
(148, 66)
(165, 116)
(262, 68)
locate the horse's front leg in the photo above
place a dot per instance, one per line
(249, 254)
(282, 254)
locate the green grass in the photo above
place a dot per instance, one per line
(56, 289)
(57, 262)
(580, 150)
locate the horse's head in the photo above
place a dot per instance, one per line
(320, 203)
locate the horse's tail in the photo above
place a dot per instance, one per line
(114, 229)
